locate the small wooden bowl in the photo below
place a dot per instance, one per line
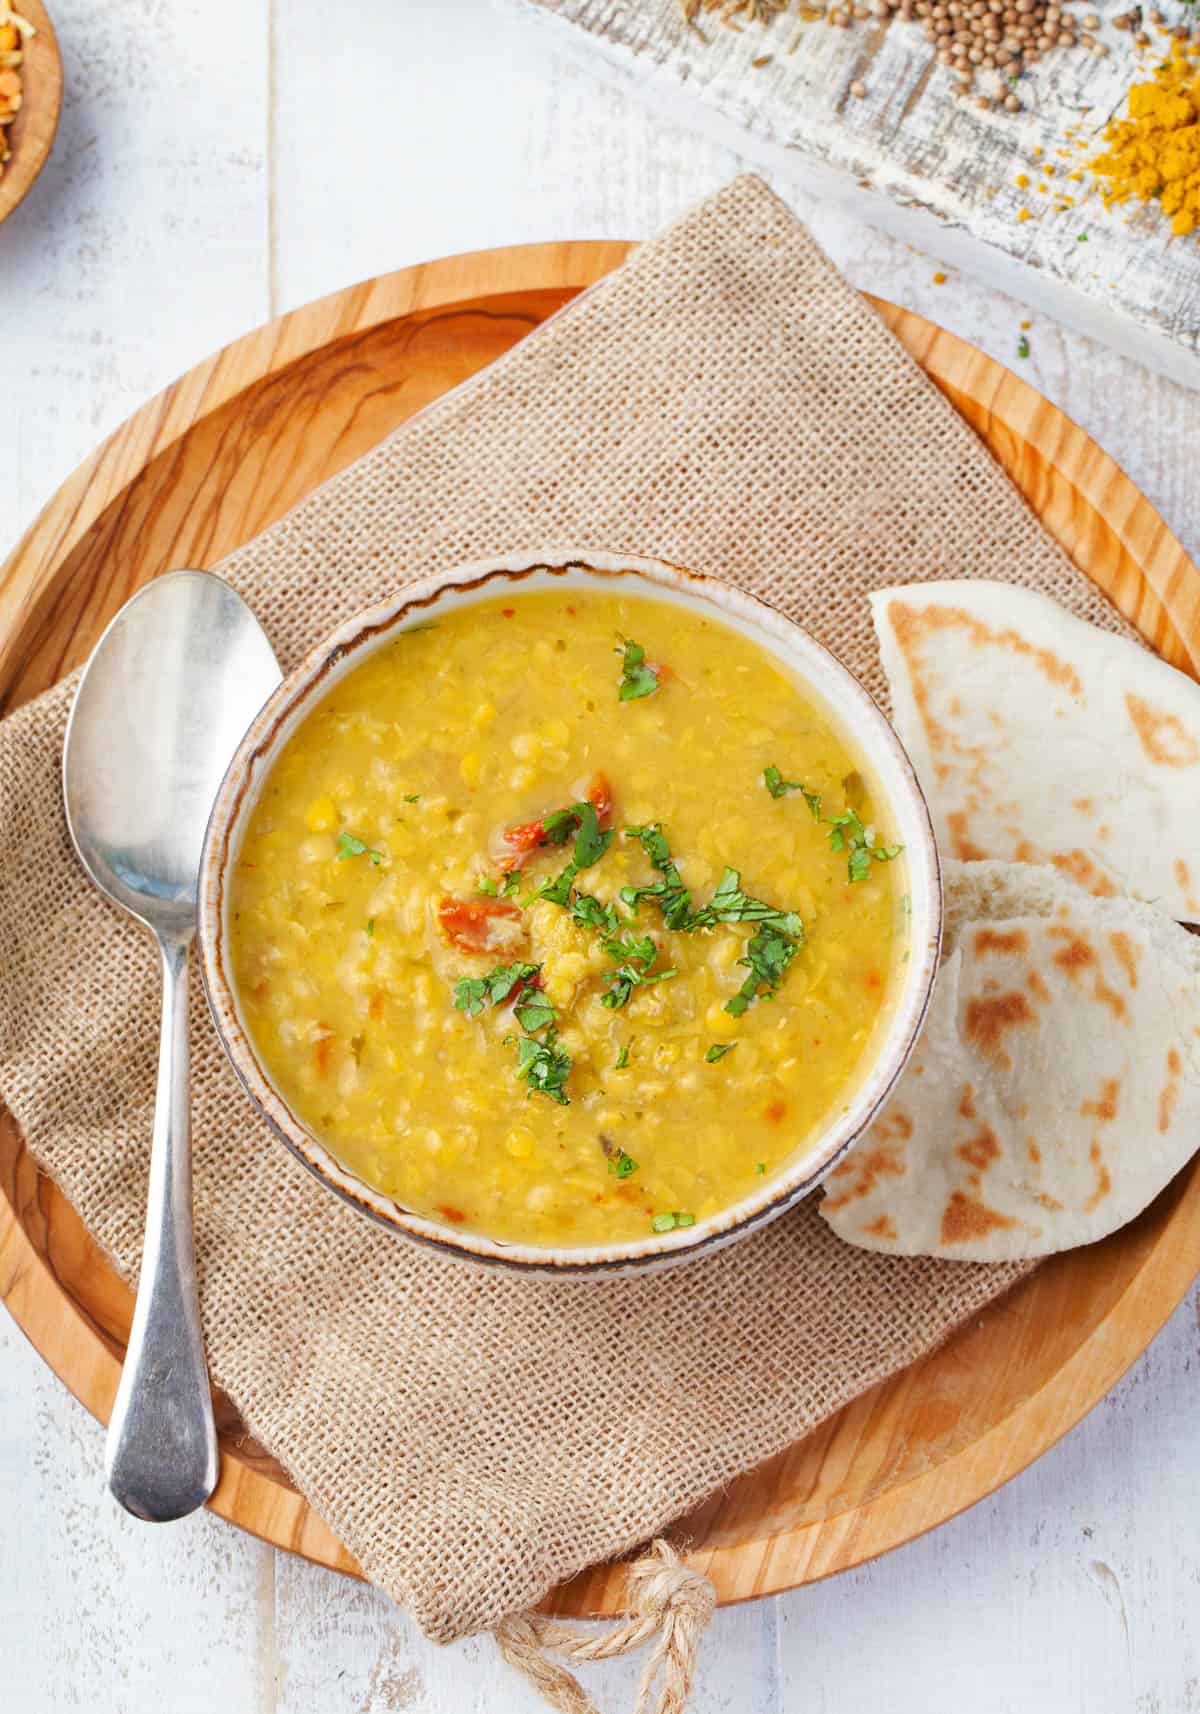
(31, 134)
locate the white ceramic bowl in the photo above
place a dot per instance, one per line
(852, 711)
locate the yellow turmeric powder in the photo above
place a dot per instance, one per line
(1154, 154)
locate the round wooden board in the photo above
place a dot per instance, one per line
(31, 134)
(227, 449)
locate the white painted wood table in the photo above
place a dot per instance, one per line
(215, 167)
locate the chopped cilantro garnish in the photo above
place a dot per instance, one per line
(412, 797)
(370, 928)
(469, 995)
(670, 894)
(590, 845)
(1022, 347)
(621, 1163)
(592, 914)
(848, 834)
(623, 981)
(761, 1167)
(779, 787)
(767, 957)
(638, 950)
(485, 884)
(544, 1067)
(718, 1050)
(622, 1058)
(592, 841)
(472, 991)
(557, 827)
(634, 955)
(349, 846)
(671, 1222)
(637, 679)
(512, 884)
(730, 904)
(534, 1012)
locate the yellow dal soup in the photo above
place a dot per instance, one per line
(564, 918)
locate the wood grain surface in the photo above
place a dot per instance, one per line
(229, 447)
(31, 134)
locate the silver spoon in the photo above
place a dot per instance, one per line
(171, 687)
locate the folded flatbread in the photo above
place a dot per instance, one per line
(1040, 739)
(1056, 1086)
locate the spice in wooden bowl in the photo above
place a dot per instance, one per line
(14, 32)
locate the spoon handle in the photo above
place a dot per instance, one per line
(161, 1454)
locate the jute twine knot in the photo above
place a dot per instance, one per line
(669, 1605)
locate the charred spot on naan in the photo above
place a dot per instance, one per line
(1169, 1094)
(1080, 867)
(990, 1018)
(1127, 954)
(1077, 955)
(1183, 876)
(864, 1168)
(960, 839)
(912, 625)
(1104, 1107)
(1000, 940)
(880, 1156)
(884, 1227)
(1103, 1183)
(965, 1219)
(980, 1152)
(1164, 738)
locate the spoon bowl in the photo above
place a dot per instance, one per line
(161, 707)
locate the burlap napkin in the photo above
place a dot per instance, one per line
(727, 402)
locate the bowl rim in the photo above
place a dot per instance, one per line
(369, 628)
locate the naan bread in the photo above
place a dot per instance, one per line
(1040, 739)
(1056, 1086)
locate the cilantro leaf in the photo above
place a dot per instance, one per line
(634, 955)
(671, 1222)
(469, 995)
(637, 679)
(512, 884)
(591, 913)
(639, 950)
(472, 991)
(349, 846)
(779, 787)
(621, 1164)
(622, 1058)
(590, 845)
(544, 1067)
(848, 834)
(730, 904)
(535, 1012)
(623, 981)
(671, 896)
(718, 1050)
(485, 884)
(768, 955)
(370, 928)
